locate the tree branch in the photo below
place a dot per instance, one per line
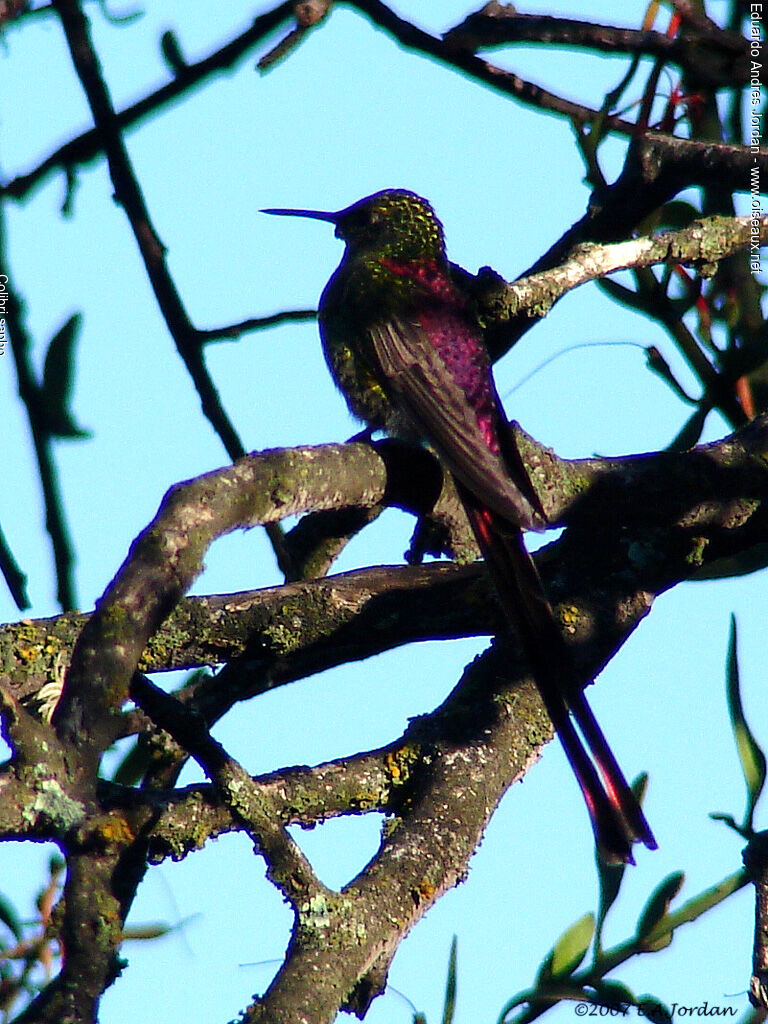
(287, 867)
(701, 245)
(285, 633)
(89, 146)
(129, 195)
(414, 38)
(42, 440)
(714, 57)
(697, 507)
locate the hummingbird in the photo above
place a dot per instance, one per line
(406, 348)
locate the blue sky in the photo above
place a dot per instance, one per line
(345, 115)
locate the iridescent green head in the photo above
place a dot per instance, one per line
(394, 223)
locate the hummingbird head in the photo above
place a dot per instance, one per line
(394, 223)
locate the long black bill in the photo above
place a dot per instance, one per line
(312, 214)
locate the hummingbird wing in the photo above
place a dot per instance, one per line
(438, 406)
(463, 431)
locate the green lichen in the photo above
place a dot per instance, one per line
(390, 826)
(400, 762)
(52, 803)
(695, 556)
(32, 648)
(315, 913)
(329, 919)
(366, 800)
(304, 618)
(163, 645)
(284, 633)
(178, 839)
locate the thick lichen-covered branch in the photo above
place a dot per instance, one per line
(166, 558)
(291, 631)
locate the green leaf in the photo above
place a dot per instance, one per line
(58, 372)
(658, 903)
(610, 876)
(678, 214)
(56, 864)
(58, 381)
(620, 293)
(751, 756)
(9, 917)
(654, 1010)
(690, 431)
(742, 564)
(449, 1007)
(131, 769)
(614, 994)
(571, 948)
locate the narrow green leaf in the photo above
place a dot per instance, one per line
(130, 770)
(147, 932)
(620, 293)
(751, 756)
(658, 903)
(654, 1010)
(9, 917)
(571, 948)
(690, 432)
(544, 973)
(58, 371)
(449, 1007)
(610, 876)
(58, 381)
(657, 364)
(613, 994)
(678, 214)
(56, 864)
(14, 577)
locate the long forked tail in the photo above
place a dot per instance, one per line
(616, 816)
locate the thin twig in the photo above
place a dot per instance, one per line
(29, 392)
(718, 54)
(506, 82)
(153, 252)
(89, 146)
(14, 577)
